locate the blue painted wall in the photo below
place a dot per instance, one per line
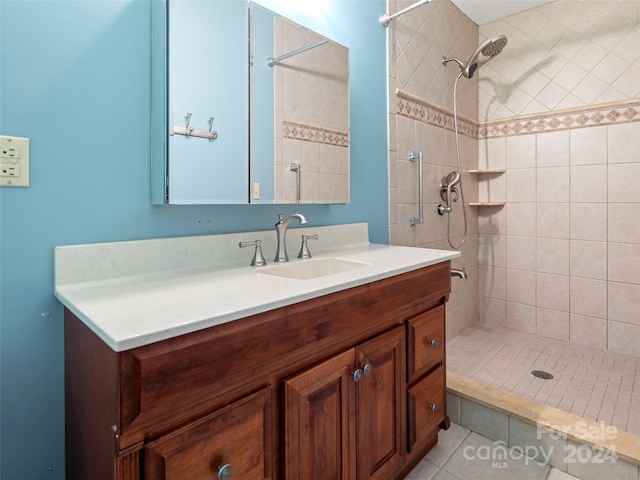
(75, 79)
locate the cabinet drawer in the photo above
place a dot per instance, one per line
(238, 435)
(425, 342)
(426, 407)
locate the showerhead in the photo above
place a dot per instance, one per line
(489, 48)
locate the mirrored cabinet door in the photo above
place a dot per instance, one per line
(300, 113)
(200, 102)
(247, 107)
(207, 102)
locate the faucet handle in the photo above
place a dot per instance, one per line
(304, 249)
(258, 259)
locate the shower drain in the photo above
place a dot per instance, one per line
(542, 374)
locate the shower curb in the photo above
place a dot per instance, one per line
(500, 407)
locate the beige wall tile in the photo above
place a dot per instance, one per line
(588, 221)
(624, 142)
(589, 146)
(624, 302)
(492, 188)
(493, 312)
(624, 180)
(553, 184)
(552, 220)
(492, 221)
(521, 317)
(552, 323)
(552, 149)
(623, 338)
(588, 259)
(624, 222)
(521, 219)
(589, 183)
(552, 291)
(588, 297)
(521, 286)
(624, 262)
(492, 250)
(492, 154)
(519, 252)
(492, 282)
(521, 185)
(589, 331)
(552, 256)
(521, 151)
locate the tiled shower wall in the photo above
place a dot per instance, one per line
(311, 130)
(420, 119)
(562, 112)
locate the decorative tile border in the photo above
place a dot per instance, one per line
(312, 133)
(592, 116)
(419, 109)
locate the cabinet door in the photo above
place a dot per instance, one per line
(380, 402)
(238, 436)
(320, 421)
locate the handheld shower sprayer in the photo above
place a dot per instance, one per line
(447, 189)
(489, 48)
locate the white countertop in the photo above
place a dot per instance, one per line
(131, 307)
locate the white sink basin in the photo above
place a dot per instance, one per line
(314, 268)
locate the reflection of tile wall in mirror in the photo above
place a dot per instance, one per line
(312, 117)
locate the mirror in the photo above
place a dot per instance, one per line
(215, 141)
(300, 113)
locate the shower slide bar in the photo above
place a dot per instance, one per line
(273, 61)
(385, 18)
(417, 156)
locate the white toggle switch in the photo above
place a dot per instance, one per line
(14, 161)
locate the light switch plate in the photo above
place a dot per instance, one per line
(14, 161)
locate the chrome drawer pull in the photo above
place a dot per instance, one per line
(433, 342)
(224, 472)
(367, 369)
(357, 375)
(433, 408)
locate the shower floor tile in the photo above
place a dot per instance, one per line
(591, 383)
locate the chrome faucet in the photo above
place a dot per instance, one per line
(457, 272)
(281, 231)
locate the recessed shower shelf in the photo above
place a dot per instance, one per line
(486, 204)
(480, 172)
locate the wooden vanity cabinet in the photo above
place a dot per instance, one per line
(272, 395)
(344, 417)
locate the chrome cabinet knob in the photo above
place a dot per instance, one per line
(367, 369)
(433, 342)
(225, 471)
(357, 375)
(433, 408)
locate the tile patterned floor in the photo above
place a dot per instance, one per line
(464, 455)
(591, 383)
